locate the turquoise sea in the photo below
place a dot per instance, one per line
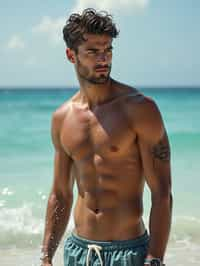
(26, 171)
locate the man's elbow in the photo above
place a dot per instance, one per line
(65, 199)
(163, 197)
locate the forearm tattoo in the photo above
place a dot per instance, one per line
(161, 151)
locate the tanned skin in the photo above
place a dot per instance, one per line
(110, 139)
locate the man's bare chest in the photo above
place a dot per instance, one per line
(106, 133)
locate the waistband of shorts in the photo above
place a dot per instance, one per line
(142, 240)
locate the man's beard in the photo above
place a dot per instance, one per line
(83, 72)
(101, 79)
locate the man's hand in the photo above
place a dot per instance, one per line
(46, 263)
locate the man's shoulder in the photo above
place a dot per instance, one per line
(144, 112)
(63, 111)
(60, 113)
(147, 105)
(134, 100)
(138, 102)
(65, 107)
(126, 94)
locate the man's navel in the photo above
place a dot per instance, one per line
(114, 148)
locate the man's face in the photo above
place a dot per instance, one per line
(93, 58)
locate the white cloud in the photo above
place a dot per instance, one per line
(52, 27)
(110, 4)
(15, 42)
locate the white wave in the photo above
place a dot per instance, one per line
(6, 191)
(2, 203)
(21, 228)
(185, 231)
(20, 220)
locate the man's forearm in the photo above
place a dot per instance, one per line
(57, 217)
(160, 223)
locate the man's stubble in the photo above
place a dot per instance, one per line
(84, 72)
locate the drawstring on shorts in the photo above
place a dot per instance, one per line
(97, 249)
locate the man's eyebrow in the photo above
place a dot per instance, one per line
(96, 49)
(92, 49)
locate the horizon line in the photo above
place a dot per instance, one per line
(42, 87)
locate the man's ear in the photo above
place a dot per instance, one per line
(70, 55)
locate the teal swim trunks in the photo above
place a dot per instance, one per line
(79, 251)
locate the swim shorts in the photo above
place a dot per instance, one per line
(79, 251)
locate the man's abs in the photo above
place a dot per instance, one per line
(107, 217)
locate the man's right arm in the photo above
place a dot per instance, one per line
(61, 196)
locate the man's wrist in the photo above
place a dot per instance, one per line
(153, 262)
(45, 257)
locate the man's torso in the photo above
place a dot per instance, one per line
(106, 166)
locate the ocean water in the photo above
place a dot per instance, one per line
(26, 171)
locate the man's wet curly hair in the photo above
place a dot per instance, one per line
(90, 21)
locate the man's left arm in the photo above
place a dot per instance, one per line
(155, 155)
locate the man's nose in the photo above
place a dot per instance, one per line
(102, 57)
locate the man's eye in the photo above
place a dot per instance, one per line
(92, 52)
(109, 49)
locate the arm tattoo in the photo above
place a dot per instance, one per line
(161, 151)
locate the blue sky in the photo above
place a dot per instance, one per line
(158, 45)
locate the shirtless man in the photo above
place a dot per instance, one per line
(110, 139)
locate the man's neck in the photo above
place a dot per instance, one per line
(95, 94)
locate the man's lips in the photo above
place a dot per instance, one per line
(102, 69)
